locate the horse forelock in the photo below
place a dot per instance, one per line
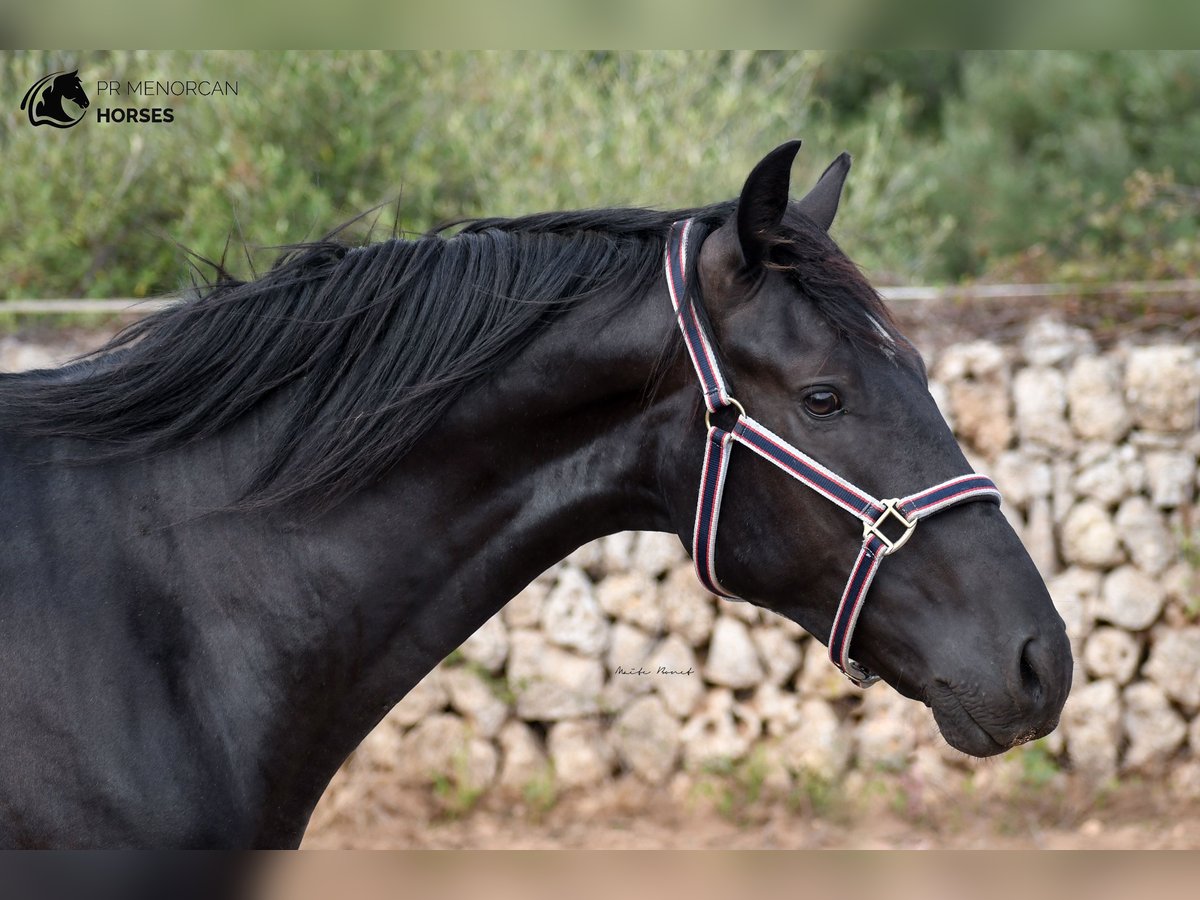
(837, 288)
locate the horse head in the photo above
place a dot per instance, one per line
(959, 618)
(69, 87)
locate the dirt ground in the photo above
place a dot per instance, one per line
(625, 815)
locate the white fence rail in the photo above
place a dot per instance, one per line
(891, 294)
(57, 307)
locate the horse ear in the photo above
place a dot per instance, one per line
(764, 200)
(821, 203)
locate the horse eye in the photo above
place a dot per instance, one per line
(822, 403)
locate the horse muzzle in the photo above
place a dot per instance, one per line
(984, 720)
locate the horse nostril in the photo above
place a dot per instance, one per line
(1031, 682)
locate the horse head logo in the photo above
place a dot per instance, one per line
(44, 101)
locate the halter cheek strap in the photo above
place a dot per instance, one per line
(898, 516)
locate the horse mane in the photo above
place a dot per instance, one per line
(366, 347)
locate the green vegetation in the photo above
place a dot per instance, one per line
(1189, 552)
(541, 793)
(814, 794)
(455, 792)
(1039, 767)
(1029, 165)
(497, 684)
(734, 787)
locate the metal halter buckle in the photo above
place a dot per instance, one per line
(708, 415)
(890, 508)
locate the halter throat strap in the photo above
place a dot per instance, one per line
(887, 524)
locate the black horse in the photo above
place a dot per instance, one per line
(46, 104)
(232, 539)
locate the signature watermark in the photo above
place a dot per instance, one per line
(661, 670)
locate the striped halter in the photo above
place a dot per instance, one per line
(905, 513)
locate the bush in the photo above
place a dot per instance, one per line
(963, 161)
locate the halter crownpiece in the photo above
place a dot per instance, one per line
(904, 513)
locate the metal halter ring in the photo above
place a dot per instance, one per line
(890, 508)
(708, 413)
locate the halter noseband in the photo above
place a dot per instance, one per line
(873, 513)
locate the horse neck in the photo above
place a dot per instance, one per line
(560, 447)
